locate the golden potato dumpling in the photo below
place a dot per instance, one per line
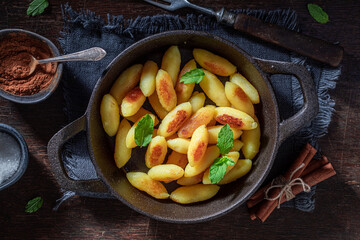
(110, 114)
(198, 145)
(241, 168)
(238, 98)
(197, 101)
(122, 154)
(184, 91)
(202, 117)
(180, 145)
(127, 80)
(194, 193)
(235, 118)
(132, 102)
(145, 183)
(251, 140)
(214, 89)
(156, 152)
(165, 90)
(166, 172)
(175, 119)
(147, 78)
(245, 85)
(171, 62)
(213, 63)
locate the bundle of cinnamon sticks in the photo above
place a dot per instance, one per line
(311, 171)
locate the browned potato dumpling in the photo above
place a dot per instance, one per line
(145, 183)
(156, 105)
(251, 140)
(237, 145)
(180, 145)
(175, 119)
(233, 156)
(127, 80)
(184, 91)
(177, 159)
(213, 63)
(214, 89)
(122, 154)
(110, 114)
(156, 152)
(238, 98)
(171, 62)
(197, 101)
(142, 112)
(166, 172)
(214, 132)
(130, 137)
(194, 193)
(235, 118)
(248, 88)
(198, 145)
(186, 181)
(132, 102)
(241, 168)
(147, 78)
(202, 117)
(165, 90)
(210, 155)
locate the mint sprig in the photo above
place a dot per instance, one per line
(37, 7)
(34, 204)
(218, 169)
(192, 76)
(224, 143)
(144, 131)
(318, 13)
(225, 139)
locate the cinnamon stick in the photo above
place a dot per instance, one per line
(305, 156)
(313, 178)
(315, 164)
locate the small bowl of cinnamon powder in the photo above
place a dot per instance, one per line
(16, 48)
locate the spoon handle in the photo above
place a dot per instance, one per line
(91, 54)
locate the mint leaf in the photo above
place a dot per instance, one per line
(318, 13)
(34, 204)
(218, 169)
(225, 139)
(192, 76)
(37, 7)
(144, 131)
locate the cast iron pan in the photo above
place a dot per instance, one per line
(113, 180)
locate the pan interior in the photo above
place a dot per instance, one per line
(230, 195)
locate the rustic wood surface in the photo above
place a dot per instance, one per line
(337, 214)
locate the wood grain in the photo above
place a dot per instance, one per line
(336, 216)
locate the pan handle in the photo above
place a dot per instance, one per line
(311, 106)
(55, 158)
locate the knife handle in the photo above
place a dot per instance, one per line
(314, 48)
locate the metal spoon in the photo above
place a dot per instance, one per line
(91, 54)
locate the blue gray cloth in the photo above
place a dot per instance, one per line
(85, 29)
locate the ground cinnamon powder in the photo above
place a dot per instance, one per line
(14, 65)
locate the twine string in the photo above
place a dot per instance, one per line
(280, 182)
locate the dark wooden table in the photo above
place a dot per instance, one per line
(337, 213)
